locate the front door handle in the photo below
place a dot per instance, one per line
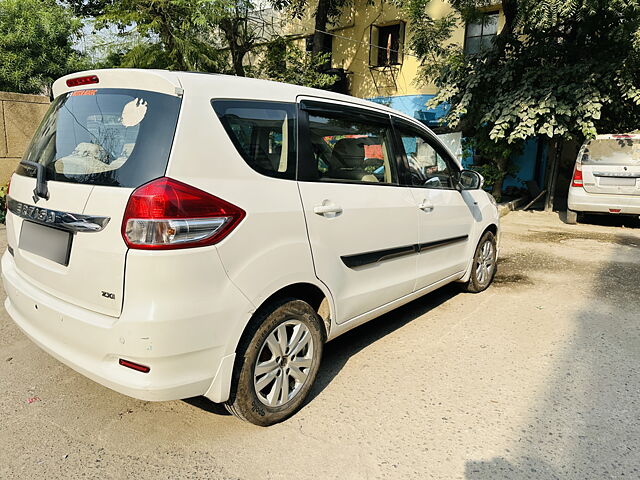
(426, 206)
(329, 208)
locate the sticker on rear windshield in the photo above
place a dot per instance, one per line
(133, 112)
(79, 93)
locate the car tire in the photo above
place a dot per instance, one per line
(276, 363)
(484, 265)
(572, 217)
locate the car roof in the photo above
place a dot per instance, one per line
(213, 85)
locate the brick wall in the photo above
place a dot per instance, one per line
(20, 115)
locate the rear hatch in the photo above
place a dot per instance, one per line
(611, 165)
(95, 145)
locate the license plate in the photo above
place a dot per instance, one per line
(617, 181)
(47, 242)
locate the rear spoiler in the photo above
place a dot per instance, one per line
(160, 81)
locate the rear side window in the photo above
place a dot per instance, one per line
(614, 151)
(263, 133)
(113, 137)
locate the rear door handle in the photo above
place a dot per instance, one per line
(425, 206)
(327, 209)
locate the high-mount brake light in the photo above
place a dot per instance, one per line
(166, 214)
(78, 81)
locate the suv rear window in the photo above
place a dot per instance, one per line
(263, 133)
(113, 137)
(614, 151)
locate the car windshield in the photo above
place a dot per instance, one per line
(115, 137)
(614, 151)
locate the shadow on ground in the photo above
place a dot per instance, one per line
(338, 351)
(628, 221)
(586, 423)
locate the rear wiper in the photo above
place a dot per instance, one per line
(41, 190)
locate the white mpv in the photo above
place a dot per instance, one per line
(178, 234)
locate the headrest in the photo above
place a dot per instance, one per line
(349, 152)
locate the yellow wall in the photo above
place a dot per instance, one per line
(351, 48)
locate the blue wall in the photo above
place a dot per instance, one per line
(416, 106)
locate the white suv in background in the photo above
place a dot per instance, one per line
(179, 234)
(606, 177)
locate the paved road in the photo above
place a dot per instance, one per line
(538, 377)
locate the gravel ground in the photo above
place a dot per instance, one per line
(538, 377)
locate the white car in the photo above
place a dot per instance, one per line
(606, 177)
(178, 234)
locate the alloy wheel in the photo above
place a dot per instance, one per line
(485, 263)
(284, 363)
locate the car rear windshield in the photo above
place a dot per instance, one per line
(114, 137)
(615, 151)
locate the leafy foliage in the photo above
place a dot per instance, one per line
(175, 32)
(559, 68)
(287, 63)
(88, 8)
(205, 35)
(3, 203)
(326, 11)
(36, 44)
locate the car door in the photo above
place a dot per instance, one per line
(446, 215)
(362, 225)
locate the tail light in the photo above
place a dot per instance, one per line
(167, 214)
(576, 181)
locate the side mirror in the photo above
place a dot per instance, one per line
(470, 180)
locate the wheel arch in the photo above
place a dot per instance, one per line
(307, 292)
(314, 295)
(491, 227)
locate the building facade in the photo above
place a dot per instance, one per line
(369, 49)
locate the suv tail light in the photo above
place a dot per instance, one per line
(576, 181)
(167, 214)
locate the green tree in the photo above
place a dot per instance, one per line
(326, 12)
(285, 62)
(88, 8)
(36, 44)
(176, 34)
(562, 69)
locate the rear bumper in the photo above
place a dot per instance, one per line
(580, 200)
(184, 354)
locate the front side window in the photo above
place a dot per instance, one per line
(106, 136)
(427, 168)
(351, 149)
(263, 133)
(480, 35)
